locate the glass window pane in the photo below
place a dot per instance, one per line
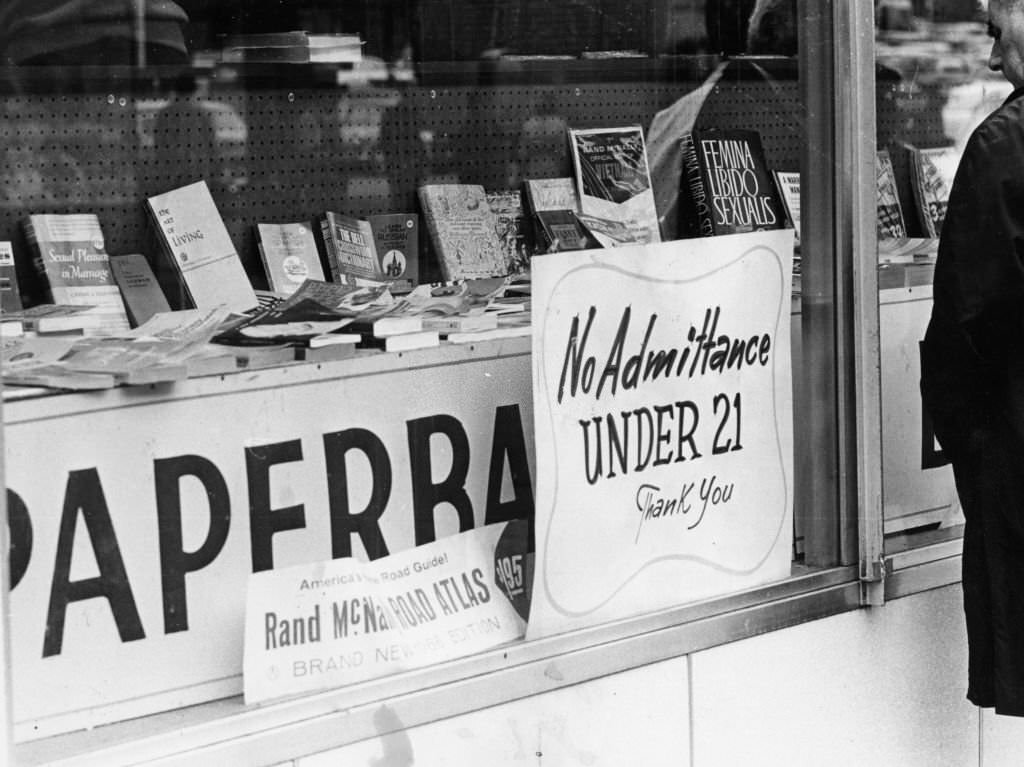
(933, 88)
(289, 110)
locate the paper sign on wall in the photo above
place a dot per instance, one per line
(663, 422)
(337, 622)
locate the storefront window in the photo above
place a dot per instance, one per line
(933, 88)
(289, 111)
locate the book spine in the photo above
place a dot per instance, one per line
(921, 197)
(38, 267)
(327, 231)
(695, 220)
(166, 270)
(434, 235)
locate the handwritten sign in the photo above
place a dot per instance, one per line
(336, 622)
(663, 422)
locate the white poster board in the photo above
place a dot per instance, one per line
(137, 515)
(337, 622)
(663, 424)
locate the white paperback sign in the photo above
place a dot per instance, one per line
(663, 422)
(337, 622)
(129, 563)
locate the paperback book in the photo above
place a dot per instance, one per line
(72, 267)
(196, 262)
(606, 233)
(931, 175)
(397, 240)
(542, 194)
(139, 288)
(37, 361)
(550, 194)
(788, 184)
(10, 294)
(890, 212)
(613, 179)
(726, 184)
(507, 206)
(463, 231)
(350, 248)
(562, 230)
(289, 255)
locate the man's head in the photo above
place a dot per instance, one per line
(1006, 28)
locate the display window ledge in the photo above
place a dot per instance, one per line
(228, 731)
(923, 568)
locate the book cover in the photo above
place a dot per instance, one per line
(788, 184)
(726, 184)
(607, 234)
(551, 194)
(139, 288)
(10, 294)
(197, 264)
(547, 194)
(350, 247)
(931, 176)
(613, 179)
(890, 213)
(463, 231)
(397, 237)
(507, 207)
(562, 230)
(289, 255)
(71, 263)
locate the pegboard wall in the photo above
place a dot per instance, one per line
(289, 155)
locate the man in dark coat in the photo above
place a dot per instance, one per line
(972, 374)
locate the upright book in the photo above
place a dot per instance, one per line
(140, 290)
(544, 194)
(788, 184)
(70, 260)
(550, 194)
(197, 263)
(289, 255)
(727, 187)
(10, 294)
(931, 175)
(613, 179)
(562, 230)
(890, 212)
(507, 207)
(397, 237)
(463, 231)
(350, 248)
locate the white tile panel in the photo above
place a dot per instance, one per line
(637, 718)
(877, 686)
(1002, 740)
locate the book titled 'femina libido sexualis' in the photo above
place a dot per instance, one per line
(727, 187)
